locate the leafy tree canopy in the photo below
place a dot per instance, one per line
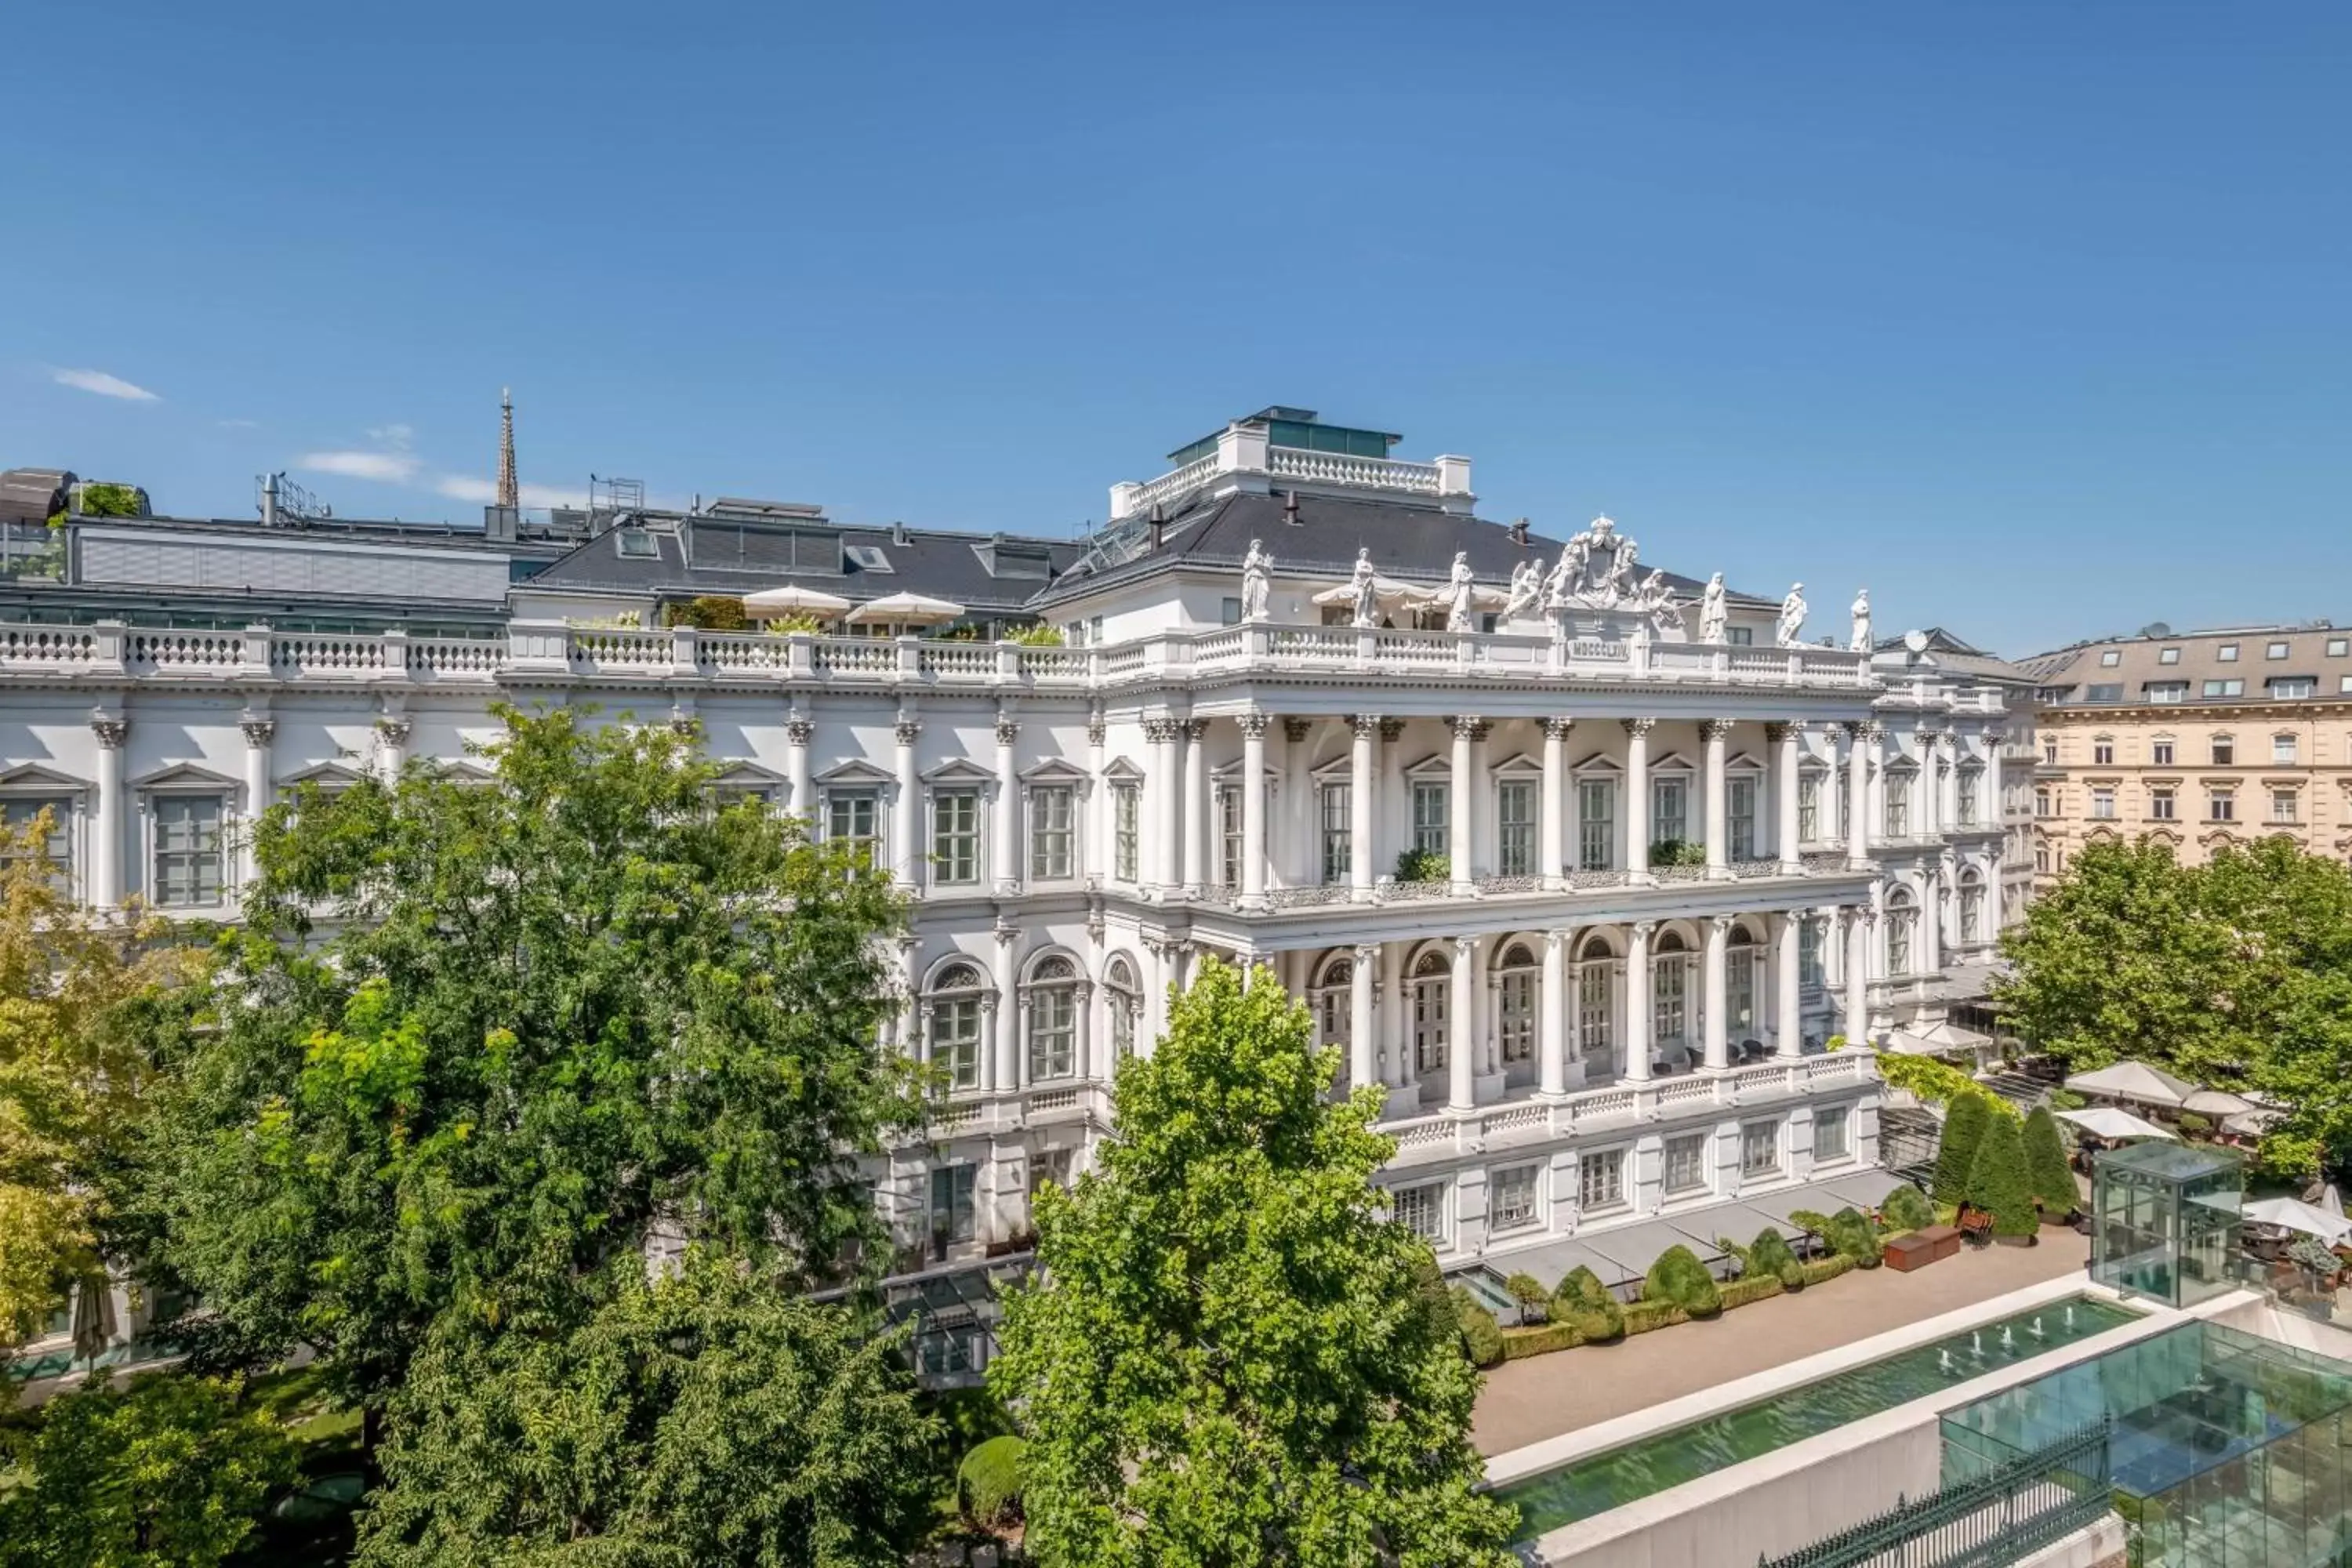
(479, 1039)
(70, 1081)
(167, 1473)
(2235, 972)
(710, 1417)
(1229, 1359)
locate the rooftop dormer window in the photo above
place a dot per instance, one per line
(635, 544)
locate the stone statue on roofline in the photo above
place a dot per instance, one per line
(1714, 616)
(1656, 603)
(1563, 582)
(1618, 586)
(1365, 583)
(1791, 628)
(1861, 643)
(1527, 591)
(1461, 593)
(1257, 582)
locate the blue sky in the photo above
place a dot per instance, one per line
(2034, 319)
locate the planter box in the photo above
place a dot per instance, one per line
(1944, 1238)
(1905, 1253)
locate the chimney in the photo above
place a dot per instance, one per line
(1290, 509)
(269, 500)
(898, 534)
(1159, 527)
(1519, 532)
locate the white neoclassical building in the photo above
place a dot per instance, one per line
(1588, 868)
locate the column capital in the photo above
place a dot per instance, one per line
(1296, 730)
(1643, 930)
(1714, 729)
(1638, 726)
(1558, 939)
(394, 726)
(1005, 933)
(1557, 727)
(1391, 730)
(1463, 948)
(1929, 739)
(1797, 916)
(1367, 954)
(799, 731)
(113, 732)
(1780, 730)
(1864, 729)
(259, 729)
(1008, 729)
(1195, 730)
(1718, 926)
(1159, 731)
(1254, 724)
(1468, 727)
(1098, 731)
(1365, 726)
(907, 731)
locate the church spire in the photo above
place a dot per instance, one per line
(509, 493)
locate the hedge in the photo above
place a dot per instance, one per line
(1753, 1288)
(1643, 1316)
(1825, 1269)
(1539, 1341)
(1678, 1277)
(1908, 1208)
(989, 1481)
(1482, 1336)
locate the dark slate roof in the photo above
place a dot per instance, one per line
(738, 556)
(1408, 541)
(1959, 655)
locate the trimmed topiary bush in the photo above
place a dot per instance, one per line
(1769, 1253)
(1680, 1278)
(989, 1481)
(1534, 1301)
(1848, 1234)
(1999, 1183)
(1964, 1129)
(1482, 1336)
(2045, 1165)
(1908, 1208)
(1581, 1299)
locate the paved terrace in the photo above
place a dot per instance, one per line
(1545, 1395)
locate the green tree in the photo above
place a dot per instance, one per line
(555, 1013)
(72, 1078)
(167, 1473)
(1956, 1153)
(1998, 1181)
(1678, 1277)
(102, 500)
(710, 1417)
(2045, 1161)
(1229, 1358)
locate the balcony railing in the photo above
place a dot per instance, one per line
(538, 650)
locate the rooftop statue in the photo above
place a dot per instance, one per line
(1791, 629)
(1366, 585)
(1861, 643)
(1461, 593)
(1527, 591)
(1714, 618)
(1257, 582)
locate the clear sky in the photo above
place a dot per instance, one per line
(2033, 318)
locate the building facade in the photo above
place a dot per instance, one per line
(2196, 740)
(1593, 875)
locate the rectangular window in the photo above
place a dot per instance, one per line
(2339, 647)
(1600, 1180)
(953, 1210)
(1971, 786)
(2276, 650)
(1513, 1200)
(955, 1040)
(2222, 805)
(955, 836)
(188, 869)
(1229, 612)
(2103, 753)
(2225, 688)
(2168, 691)
(2043, 804)
(2283, 749)
(1422, 1210)
(2105, 691)
(1229, 837)
(1739, 636)
(2103, 804)
(17, 816)
(1052, 812)
(2112, 657)
(1809, 955)
(2168, 656)
(1430, 818)
(1515, 828)
(1669, 813)
(1808, 808)
(2159, 804)
(1127, 813)
(2283, 806)
(1687, 1164)
(2293, 688)
(1759, 1148)
(2160, 753)
(1831, 1139)
(2050, 751)
(1338, 830)
(1899, 806)
(2227, 653)
(1596, 825)
(1052, 1032)
(1740, 810)
(850, 817)
(2225, 751)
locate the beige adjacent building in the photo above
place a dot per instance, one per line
(2196, 740)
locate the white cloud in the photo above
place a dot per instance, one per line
(103, 384)
(398, 435)
(390, 467)
(483, 492)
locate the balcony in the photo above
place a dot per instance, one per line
(533, 652)
(1618, 1107)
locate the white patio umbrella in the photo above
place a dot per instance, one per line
(2217, 1103)
(2294, 1214)
(2252, 1123)
(904, 610)
(1387, 590)
(793, 598)
(2112, 1121)
(2132, 1080)
(1936, 1038)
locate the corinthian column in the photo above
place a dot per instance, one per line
(1713, 732)
(106, 853)
(1252, 888)
(1362, 728)
(1783, 738)
(1554, 838)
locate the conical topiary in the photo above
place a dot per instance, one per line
(1964, 1129)
(2000, 1182)
(2045, 1164)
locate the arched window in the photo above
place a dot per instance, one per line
(1902, 919)
(1052, 1019)
(1433, 978)
(1516, 985)
(1331, 998)
(1973, 912)
(1669, 990)
(952, 1007)
(1739, 984)
(1124, 1000)
(1596, 1005)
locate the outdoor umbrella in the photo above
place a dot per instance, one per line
(93, 1317)
(2252, 1123)
(2110, 1121)
(1387, 590)
(792, 598)
(1936, 1040)
(2329, 1225)
(2217, 1103)
(2132, 1080)
(905, 610)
